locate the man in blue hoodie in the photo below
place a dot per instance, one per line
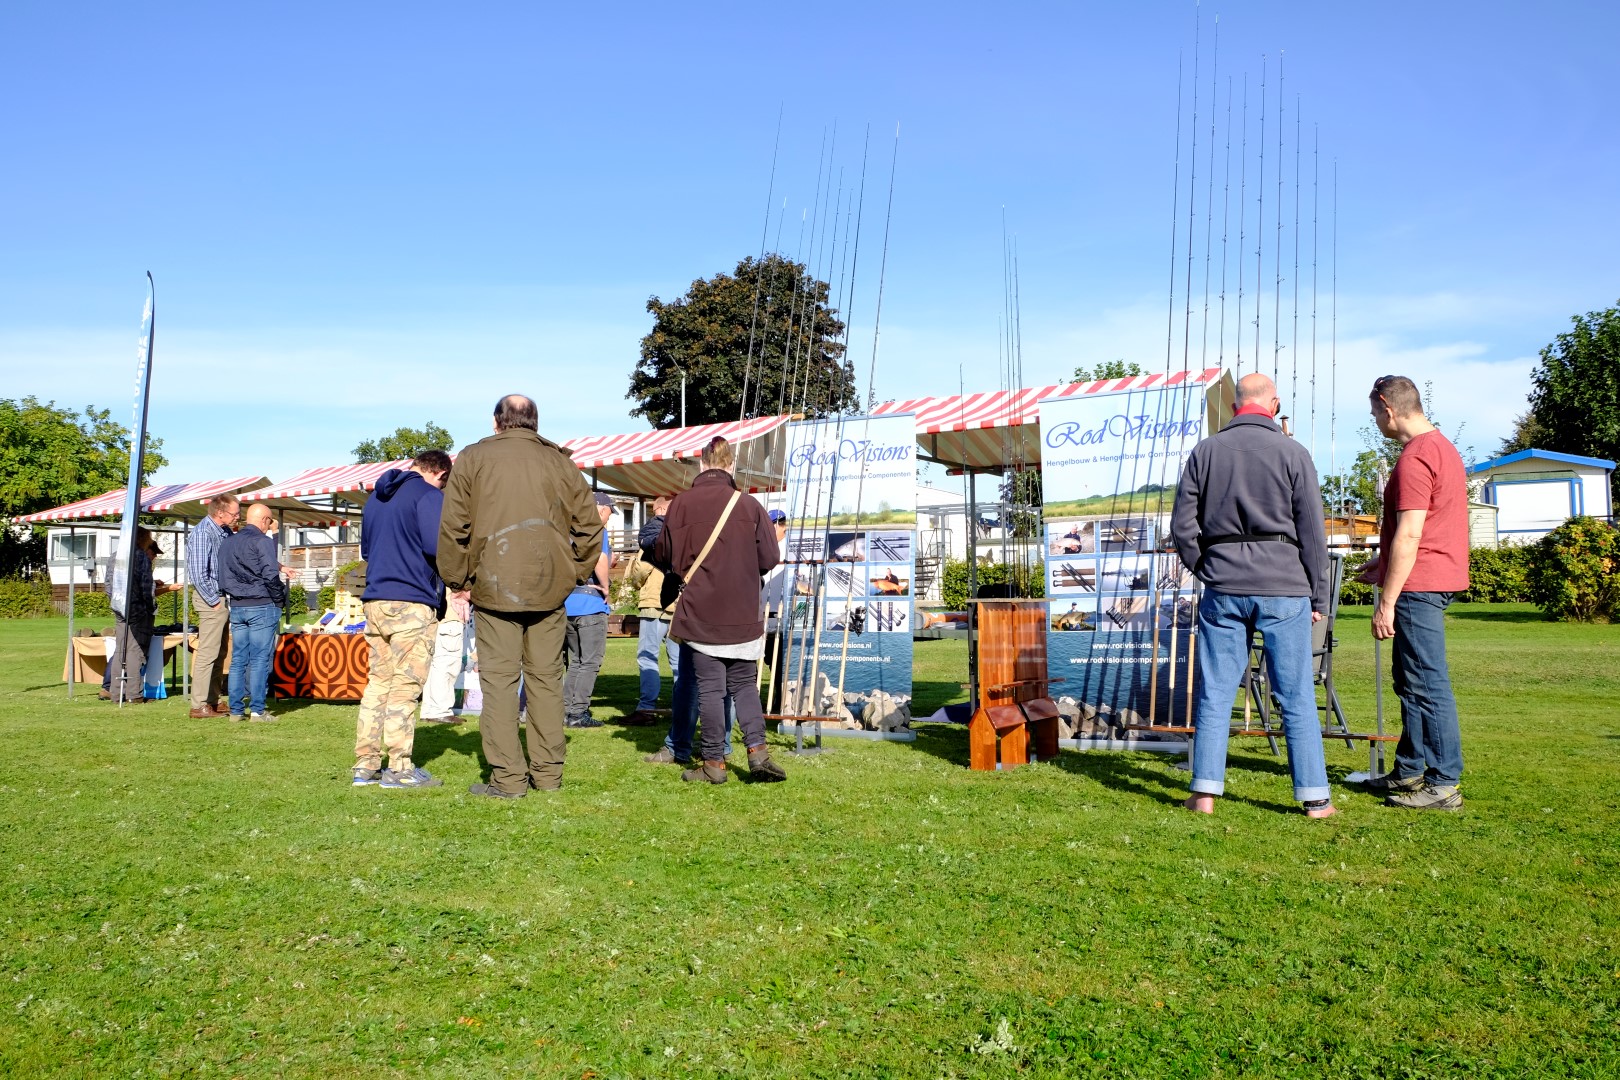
(399, 540)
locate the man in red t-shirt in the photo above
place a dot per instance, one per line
(1422, 563)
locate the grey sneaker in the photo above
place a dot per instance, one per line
(446, 720)
(1390, 784)
(393, 780)
(1429, 797)
(261, 718)
(665, 756)
(365, 777)
(584, 720)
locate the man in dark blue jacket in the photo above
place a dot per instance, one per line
(399, 540)
(1248, 522)
(252, 576)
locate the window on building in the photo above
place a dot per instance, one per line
(80, 547)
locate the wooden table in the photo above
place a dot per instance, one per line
(86, 659)
(322, 667)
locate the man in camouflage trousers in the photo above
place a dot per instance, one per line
(404, 600)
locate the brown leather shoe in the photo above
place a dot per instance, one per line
(203, 713)
(221, 709)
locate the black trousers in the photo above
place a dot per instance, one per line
(717, 677)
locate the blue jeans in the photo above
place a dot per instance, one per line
(650, 636)
(253, 639)
(1226, 626)
(1431, 739)
(683, 715)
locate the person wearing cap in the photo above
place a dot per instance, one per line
(777, 592)
(585, 642)
(654, 612)
(135, 627)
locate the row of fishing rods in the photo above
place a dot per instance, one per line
(1284, 223)
(834, 224)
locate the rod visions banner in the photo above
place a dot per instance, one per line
(851, 560)
(1114, 585)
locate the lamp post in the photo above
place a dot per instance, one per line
(682, 372)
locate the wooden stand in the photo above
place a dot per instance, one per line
(1013, 709)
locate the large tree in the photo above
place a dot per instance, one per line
(1112, 369)
(51, 456)
(1575, 395)
(403, 443)
(768, 329)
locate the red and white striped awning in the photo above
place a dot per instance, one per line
(664, 462)
(171, 500)
(991, 430)
(327, 480)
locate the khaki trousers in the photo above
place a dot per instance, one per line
(401, 638)
(530, 642)
(207, 671)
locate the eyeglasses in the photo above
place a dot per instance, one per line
(1383, 381)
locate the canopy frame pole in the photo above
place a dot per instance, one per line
(73, 563)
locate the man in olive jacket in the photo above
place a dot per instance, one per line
(518, 532)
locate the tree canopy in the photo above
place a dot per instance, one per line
(1113, 369)
(403, 443)
(1575, 389)
(51, 456)
(796, 363)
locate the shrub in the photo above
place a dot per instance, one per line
(168, 609)
(25, 598)
(92, 605)
(953, 583)
(1499, 575)
(1352, 591)
(297, 601)
(328, 597)
(1574, 572)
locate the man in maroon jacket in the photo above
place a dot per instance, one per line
(718, 619)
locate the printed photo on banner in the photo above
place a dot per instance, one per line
(844, 615)
(888, 617)
(1125, 534)
(806, 545)
(846, 581)
(1071, 577)
(1071, 537)
(1073, 615)
(1127, 612)
(1172, 574)
(1124, 572)
(889, 579)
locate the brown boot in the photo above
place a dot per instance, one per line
(761, 769)
(713, 772)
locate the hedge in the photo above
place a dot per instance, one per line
(953, 583)
(25, 598)
(1574, 572)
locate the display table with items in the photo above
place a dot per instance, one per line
(323, 667)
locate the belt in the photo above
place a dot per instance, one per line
(1247, 538)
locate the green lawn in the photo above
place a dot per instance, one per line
(187, 897)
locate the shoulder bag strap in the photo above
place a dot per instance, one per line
(692, 570)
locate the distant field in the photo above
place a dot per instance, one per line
(189, 897)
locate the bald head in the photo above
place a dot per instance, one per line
(1256, 389)
(516, 411)
(258, 515)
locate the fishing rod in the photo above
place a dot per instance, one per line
(1226, 219)
(790, 361)
(1293, 393)
(776, 261)
(759, 276)
(793, 308)
(1316, 198)
(1243, 209)
(1260, 216)
(1276, 304)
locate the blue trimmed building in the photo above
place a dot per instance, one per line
(1535, 491)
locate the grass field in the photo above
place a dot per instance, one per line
(192, 898)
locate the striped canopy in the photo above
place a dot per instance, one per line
(170, 500)
(341, 481)
(664, 462)
(991, 430)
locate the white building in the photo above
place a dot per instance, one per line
(1535, 491)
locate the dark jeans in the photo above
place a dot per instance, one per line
(1431, 738)
(717, 677)
(586, 645)
(683, 713)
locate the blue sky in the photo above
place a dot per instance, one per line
(361, 216)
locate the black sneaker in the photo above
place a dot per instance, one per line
(762, 770)
(490, 791)
(583, 720)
